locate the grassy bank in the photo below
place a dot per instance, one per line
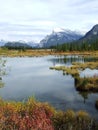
(67, 70)
(89, 84)
(43, 52)
(82, 66)
(82, 84)
(33, 115)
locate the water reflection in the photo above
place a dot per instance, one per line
(89, 73)
(84, 95)
(57, 60)
(90, 59)
(2, 71)
(68, 59)
(32, 76)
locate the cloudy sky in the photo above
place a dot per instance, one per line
(32, 20)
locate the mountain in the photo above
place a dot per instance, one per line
(17, 45)
(33, 44)
(2, 43)
(91, 35)
(63, 36)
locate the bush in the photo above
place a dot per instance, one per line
(70, 120)
(33, 115)
(25, 116)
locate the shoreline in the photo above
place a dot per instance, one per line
(44, 52)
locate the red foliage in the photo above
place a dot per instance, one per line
(37, 118)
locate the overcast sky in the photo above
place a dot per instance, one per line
(32, 20)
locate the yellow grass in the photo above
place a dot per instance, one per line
(91, 65)
(87, 84)
(67, 70)
(43, 52)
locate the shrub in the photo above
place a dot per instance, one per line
(25, 116)
(33, 115)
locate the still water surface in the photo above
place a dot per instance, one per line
(31, 76)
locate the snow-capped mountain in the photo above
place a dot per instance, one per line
(60, 36)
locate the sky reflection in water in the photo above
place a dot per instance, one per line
(32, 77)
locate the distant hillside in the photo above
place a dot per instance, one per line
(90, 36)
(57, 38)
(17, 45)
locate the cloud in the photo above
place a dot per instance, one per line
(40, 17)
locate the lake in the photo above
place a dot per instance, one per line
(31, 76)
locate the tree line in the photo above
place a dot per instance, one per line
(78, 46)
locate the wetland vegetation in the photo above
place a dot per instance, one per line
(32, 114)
(82, 83)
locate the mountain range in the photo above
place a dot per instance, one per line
(56, 38)
(19, 43)
(16, 45)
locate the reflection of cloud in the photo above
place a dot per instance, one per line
(89, 73)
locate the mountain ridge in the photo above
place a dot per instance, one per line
(91, 35)
(57, 38)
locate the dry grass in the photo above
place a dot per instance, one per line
(67, 70)
(43, 52)
(82, 84)
(91, 65)
(87, 84)
(21, 53)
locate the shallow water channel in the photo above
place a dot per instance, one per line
(31, 76)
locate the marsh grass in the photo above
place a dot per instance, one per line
(34, 115)
(43, 52)
(67, 70)
(91, 65)
(87, 84)
(71, 120)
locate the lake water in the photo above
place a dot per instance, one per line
(31, 76)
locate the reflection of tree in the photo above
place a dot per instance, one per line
(84, 95)
(65, 59)
(2, 70)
